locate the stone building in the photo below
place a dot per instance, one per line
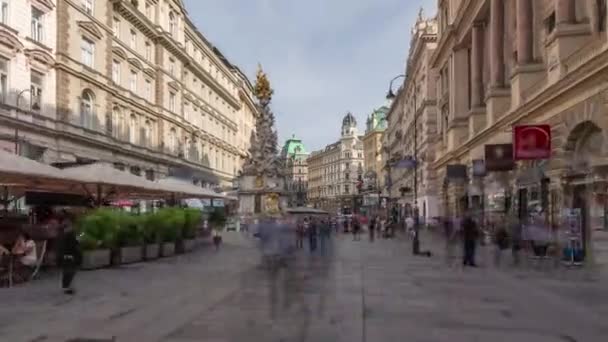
(335, 171)
(413, 115)
(137, 85)
(506, 63)
(295, 157)
(372, 145)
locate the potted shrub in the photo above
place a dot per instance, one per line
(192, 219)
(151, 228)
(217, 221)
(129, 239)
(172, 222)
(96, 234)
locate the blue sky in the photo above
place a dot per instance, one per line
(323, 57)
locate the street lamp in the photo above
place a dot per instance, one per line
(34, 106)
(390, 95)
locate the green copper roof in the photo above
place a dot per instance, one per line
(293, 146)
(377, 119)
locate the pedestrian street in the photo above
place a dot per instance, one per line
(352, 291)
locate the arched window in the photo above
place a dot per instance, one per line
(172, 140)
(133, 129)
(147, 134)
(87, 104)
(172, 24)
(117, 122)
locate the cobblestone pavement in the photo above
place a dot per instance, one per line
(355, 291)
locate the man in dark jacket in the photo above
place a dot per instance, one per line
(69, 256)
(470, 236)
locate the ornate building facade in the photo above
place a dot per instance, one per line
(335, 171)
(372, 144)
(137, 85)
(506, 63)
(413, 116)
(295, 157)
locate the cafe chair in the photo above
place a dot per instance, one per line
(41, 254)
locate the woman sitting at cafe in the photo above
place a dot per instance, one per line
(25, 248)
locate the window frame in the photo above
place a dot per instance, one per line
(37, 25)
(90, 44)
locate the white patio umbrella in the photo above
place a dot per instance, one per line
(18, 171)
(100, 180)
(185, 189)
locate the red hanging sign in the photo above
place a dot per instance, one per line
(532, 142)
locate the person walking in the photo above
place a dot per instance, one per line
(501, 241)
(69, 255)
(356, 228)
(312, 235)
(374, 222)
(470, 236)
(300, 234)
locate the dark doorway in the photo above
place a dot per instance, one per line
(579, 201)
(258, 204)
(522, 199)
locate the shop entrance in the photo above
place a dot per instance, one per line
(579, 201)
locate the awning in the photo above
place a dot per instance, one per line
(100, 179)
(21, 172)
(185, 189)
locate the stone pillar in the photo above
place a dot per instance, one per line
(497, 61)
(477, 61)
(565, 11)
(525, 22)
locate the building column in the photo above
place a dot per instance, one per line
(565, 11)
(525, 22)
(477, 61)
(497, 62)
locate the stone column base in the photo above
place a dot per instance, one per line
(477, 121)
(523, 82)
(498, 103)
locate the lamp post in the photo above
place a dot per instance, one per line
(34, 106)
(416, 241)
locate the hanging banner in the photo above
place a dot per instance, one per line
(499, 157)
(479, 168)
(532, 142)
(406, 163)
(457, 171)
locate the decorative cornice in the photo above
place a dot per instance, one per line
(91, 28)
(40, 56)
(136, 63)
(43, 5)
(119, 52)
(10, 40)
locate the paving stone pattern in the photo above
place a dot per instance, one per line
(355, 291)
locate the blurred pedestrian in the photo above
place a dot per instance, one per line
(324, 233)
(356, 228)
(313, 228)
(373, 224)
(470, 236)
(300, 231)
(501, 242)
(516, 232)
(217, 239)
(69, 255)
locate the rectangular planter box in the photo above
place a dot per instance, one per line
(189, 245)
(96, 259)
(168, 249)
(152, 252)
(129, 255)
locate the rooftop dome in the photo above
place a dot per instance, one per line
(349, 121)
